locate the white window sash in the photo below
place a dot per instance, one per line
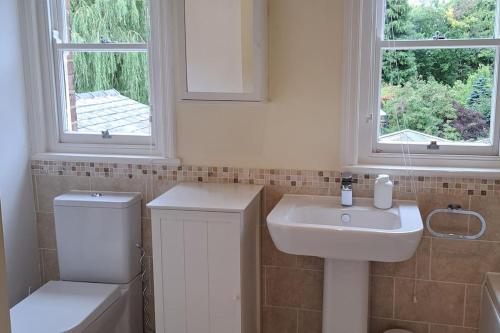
(364, 36)
(68, 141)
(380, 45)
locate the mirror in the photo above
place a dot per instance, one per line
(223, 49)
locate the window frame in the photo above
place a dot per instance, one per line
(364, 45)
(46, 87)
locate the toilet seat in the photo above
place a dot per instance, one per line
(62, 306)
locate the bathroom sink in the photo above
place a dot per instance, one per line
(348, 238)
(320, 226)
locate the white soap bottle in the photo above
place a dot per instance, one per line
(383, 192)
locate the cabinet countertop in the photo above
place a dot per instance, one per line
(207, 197)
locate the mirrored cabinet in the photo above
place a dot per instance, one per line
(223, 49)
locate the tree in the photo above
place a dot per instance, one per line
(450, 65)
(398, 66)
(455, 19)
(469, 123)
(476, 91)
(104, 21)
(421, 106)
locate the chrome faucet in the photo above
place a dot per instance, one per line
(346, 189)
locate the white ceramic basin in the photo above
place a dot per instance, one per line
(320, 226)
(348, 237)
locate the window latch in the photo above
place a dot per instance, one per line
(106, 135)
(433, 146)
(56, 37)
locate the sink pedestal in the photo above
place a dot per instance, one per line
(345, 296)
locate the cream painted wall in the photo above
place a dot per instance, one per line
(299, 126)
(4, 295)
(16, 191)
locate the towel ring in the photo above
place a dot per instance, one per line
(454, 209)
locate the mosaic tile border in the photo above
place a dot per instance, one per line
(324, 181)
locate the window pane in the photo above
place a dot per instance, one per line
(107, 91)
(442, 95)
(108, 21)
(444, 19)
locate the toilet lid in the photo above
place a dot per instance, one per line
(62, 306)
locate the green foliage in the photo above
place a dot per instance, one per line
(398, 24)
(399, 67)
(470, 18)
(422, 106)
(105, 21)
(435, 90)
(478, 91)
(450, 65)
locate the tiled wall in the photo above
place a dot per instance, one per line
(436, 291)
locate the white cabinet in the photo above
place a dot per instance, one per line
(206, 258)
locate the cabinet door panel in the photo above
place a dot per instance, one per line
(174, 297)
(224, 277)
(199, 256)
(196, 267)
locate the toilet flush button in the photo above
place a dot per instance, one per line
(345, 218)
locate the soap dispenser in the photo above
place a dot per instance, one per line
(383, 192)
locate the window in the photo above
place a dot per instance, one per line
(109, 87)
(428, 72)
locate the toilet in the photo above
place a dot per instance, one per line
(100, 287)
(490, 305)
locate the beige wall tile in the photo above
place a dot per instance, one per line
(401, 269)
(270, 255)
(149, 313)
(137, 184)
(463, 261)
(423, 257)
(35, 192)
(407, 268)
(294, 288)
(279, 320)
(472, 305)
(452, 261)
(262, 286)
(309, 262)
(148, 284)
(490, 209)
(379, 325)
(310, 321)
(48, 187)
(161, 186)
(50, 266)
(146, 236)
(272, 196)
(451, 329)
(382, 296)
(436, 302)
(46, 231)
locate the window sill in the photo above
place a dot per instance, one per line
(424, 171)
(102, 158)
